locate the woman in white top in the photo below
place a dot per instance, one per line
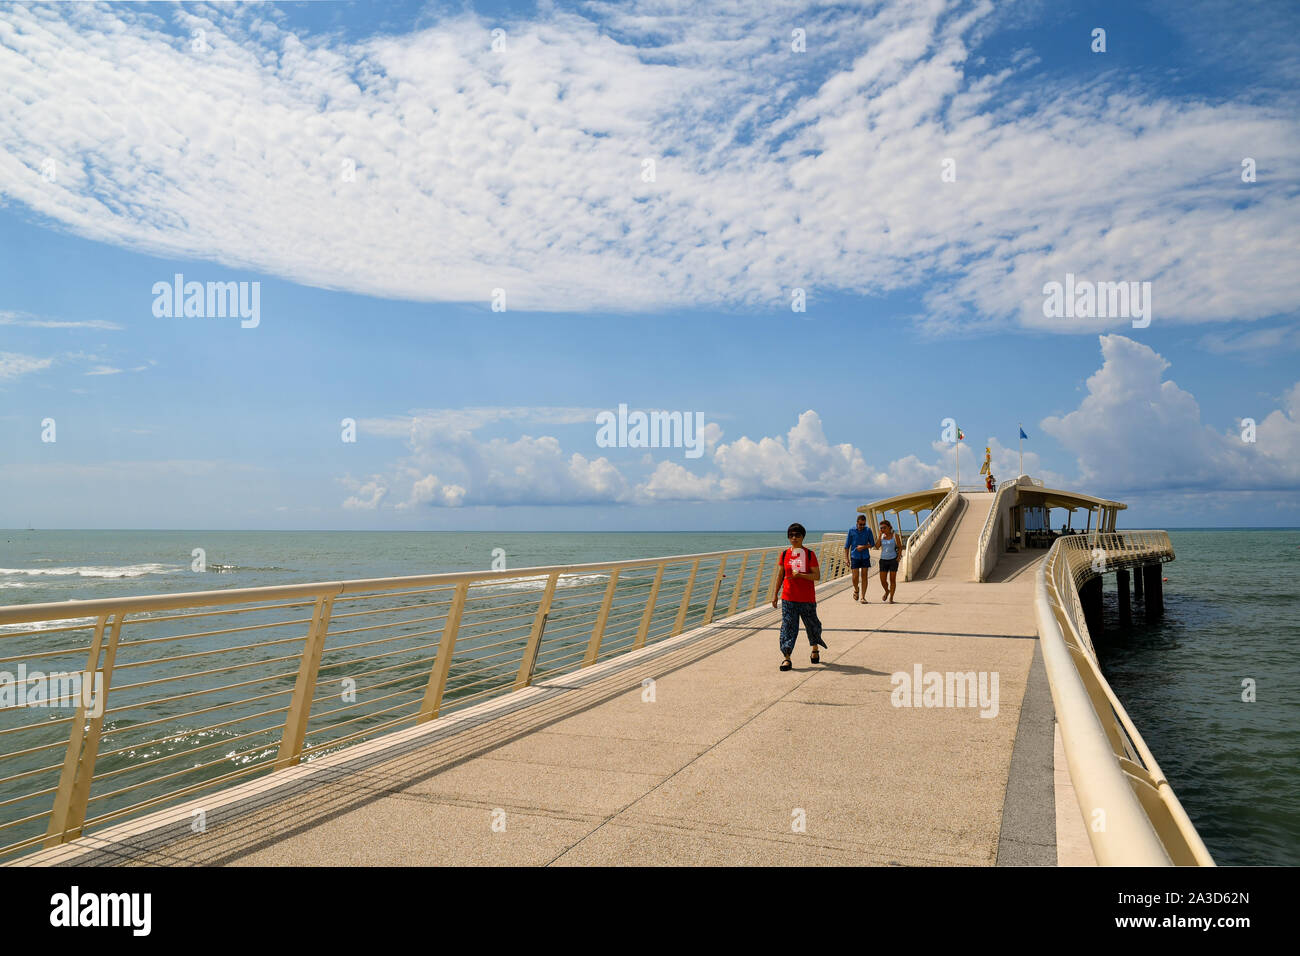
(891, 549)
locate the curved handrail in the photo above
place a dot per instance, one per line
(916, 543)
(986, 542)
(1134, 817)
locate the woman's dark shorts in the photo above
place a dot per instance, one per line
(889, 564)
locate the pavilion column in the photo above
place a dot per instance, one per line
(1125, 605)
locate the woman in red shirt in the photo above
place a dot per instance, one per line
(797, 574)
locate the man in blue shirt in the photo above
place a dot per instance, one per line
(857, 551)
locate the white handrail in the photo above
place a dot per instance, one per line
(989, 541)
(1132, 815)
(919, 543)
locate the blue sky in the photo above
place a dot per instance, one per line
(522, 169)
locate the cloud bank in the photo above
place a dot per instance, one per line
(1133, 432)
(430, 166)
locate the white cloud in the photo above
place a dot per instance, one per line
(1258, 342)
(33, 322)
(522, 170)
(422, 424)
(1135, 430)
(15, 364)
(367, 495)
(448, 465)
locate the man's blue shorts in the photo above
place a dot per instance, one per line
(859, 562)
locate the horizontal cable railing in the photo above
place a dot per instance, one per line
(129, 704)
(1133, 816)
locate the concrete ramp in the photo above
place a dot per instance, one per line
(953, 556)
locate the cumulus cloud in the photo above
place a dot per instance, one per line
(426, 166)
(449, 465)
(367, 495)
(1137, 430)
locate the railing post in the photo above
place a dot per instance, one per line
(686, 599)
(295, 723)
(758, 582)
(644, 629)
(717, 586)
(70, 800)
(529, 662)
(598, 632)
(441, 667)
(740, 583)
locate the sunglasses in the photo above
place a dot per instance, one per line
(794, 534)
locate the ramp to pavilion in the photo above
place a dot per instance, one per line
(953, 553)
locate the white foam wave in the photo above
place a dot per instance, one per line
(85, 622)
(538, 583)
(95, 571)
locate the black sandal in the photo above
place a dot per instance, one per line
(786, 665)
(816, 657)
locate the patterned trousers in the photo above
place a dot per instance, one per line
(791, 613)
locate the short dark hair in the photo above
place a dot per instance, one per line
(862, 517)
(796, 527)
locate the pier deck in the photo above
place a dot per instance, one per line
(718, 768)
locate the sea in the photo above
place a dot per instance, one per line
(1212, 686)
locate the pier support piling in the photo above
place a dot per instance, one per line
(1125, 603)
(1154, 602)
(1090, 594)
(1137, 582)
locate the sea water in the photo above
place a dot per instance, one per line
(1232, 616)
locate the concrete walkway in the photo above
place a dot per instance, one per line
(723, 760)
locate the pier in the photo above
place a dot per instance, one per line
(623, 713)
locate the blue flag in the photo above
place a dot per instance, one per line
(1022, 433)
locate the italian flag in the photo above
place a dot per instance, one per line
(961, 435)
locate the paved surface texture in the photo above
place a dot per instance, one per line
(731, 762)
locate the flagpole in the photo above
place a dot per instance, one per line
(1021, 430)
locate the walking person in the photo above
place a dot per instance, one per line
(797, 574)
(891, 549)
(857, 554)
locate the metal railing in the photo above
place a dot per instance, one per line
(990, 544)
(918, 544)
(197, 691)
(1132, 815)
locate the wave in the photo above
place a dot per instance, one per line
(86, 624)
(97, 571)
(228, 568)
(538, 583)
